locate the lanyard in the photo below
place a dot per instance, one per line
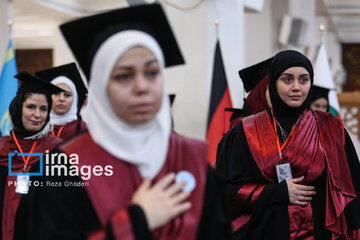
(20, 149)
(280, 148)
(59, 132)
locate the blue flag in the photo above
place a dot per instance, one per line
(8, 88)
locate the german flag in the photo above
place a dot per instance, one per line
(220, 99)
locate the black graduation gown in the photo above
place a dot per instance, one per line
(269, 215)
(8, 145)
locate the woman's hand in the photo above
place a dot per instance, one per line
(161, 202)
(299, 194)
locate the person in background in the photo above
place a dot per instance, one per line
(30, 114)
(291, 173)
(319, 99)
(155, 184)
(255, 81)
(66, 106)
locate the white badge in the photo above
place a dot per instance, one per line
(283, 172)
(22, 184)
(188, 177)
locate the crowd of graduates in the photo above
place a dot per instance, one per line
(287, 169)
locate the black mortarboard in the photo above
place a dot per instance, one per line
(252, 75)
(68, 70)
(31, 83)
(71, 72)
(172, 98)
(85, 35)
(319, 92)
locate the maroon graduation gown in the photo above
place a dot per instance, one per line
(69, 129)
(116, 190)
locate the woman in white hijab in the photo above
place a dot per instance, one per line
(141, 181)
(64, 115)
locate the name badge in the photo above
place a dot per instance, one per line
(283, 172)
(22, 184)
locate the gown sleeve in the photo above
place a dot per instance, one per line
(215, 220)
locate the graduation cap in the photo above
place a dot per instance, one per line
(69, 71)
(85, 35)
(319, 92)
(31, 83)
(252, 75)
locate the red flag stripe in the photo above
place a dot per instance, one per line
(219, 123)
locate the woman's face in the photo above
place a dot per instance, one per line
(293, 86)
(135, 87)
(62, 101)
(34, 112)
(320, 104)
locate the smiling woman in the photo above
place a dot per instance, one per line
(29, 112)
(34, 111)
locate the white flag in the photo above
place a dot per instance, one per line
(324, 79)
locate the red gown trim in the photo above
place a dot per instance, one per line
(252, 190)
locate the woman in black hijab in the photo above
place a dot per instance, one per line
(29, 113)
(319, 99)
(291, 173)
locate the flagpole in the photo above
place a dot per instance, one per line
(216, 22)
(322, 33)
(10, 17)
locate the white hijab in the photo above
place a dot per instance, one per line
(57, 119)
(43, 133)
(144, 145)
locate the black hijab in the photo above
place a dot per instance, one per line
(284, 114)
(15, 111)
(319, 92)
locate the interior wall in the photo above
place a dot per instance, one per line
(258, 34)
(4, 36)
(196, 33)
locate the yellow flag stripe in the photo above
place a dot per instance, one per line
(5, 123)
(9, 54)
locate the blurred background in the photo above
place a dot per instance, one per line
(248, 31)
